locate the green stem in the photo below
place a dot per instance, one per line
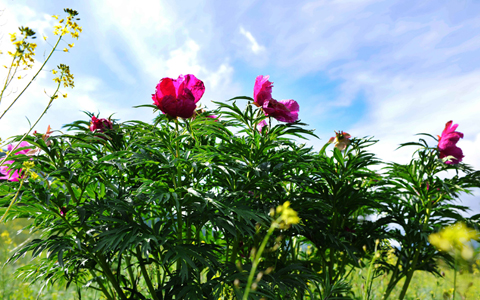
(35, 124)
(102, 287)
(106, 269)
(233, 257)
(128, 261)
(416, 256)
(145, 275)
(13, 201)
(369, 281)
(7, 82)
(177, 183)
(35, 76)
(410, 273)
(393, 281)
(455, 277)
(256, 260)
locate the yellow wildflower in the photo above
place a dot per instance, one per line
(28, 165)
(455, 238)
(6, 237)
(287, 215)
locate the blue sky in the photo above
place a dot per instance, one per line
(384, 68)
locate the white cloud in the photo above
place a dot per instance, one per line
(183, 60)
(159, 44)
(255, 47)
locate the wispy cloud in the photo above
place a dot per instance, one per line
(254, 46)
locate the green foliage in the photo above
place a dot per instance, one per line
(178, 209)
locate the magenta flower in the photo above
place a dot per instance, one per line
(262, 90)
(260, 125)
(447, 144)
(178, 98)
(13, 175)
(100, 125)
(284, 111)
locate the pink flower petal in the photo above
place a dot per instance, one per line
(447, 143)
(454, 151)
(177, 98)
(22, 144)
(279, 111)
(100, 125)
(262, 90)
(195, 86)
(260, 125)
(8, 174)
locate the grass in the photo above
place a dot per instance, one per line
(423, 286)
(12, 288)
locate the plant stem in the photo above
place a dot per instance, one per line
(106, 268)
(33, 78)
(416, 256)
(369, 281)
(410, 273)
(455, 277)
(35, 124)
(7, 82)
(256, 260)
(393, 281)
(145, 275)
(102, 287)
(130, 272)
(177, 181)
(13, 201)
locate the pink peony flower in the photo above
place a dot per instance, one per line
(178, 98)
(262, 91)
(100, 125)
(284, 111)
(341, 139)
(260, 125)
(13, 175)
(447, 144)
